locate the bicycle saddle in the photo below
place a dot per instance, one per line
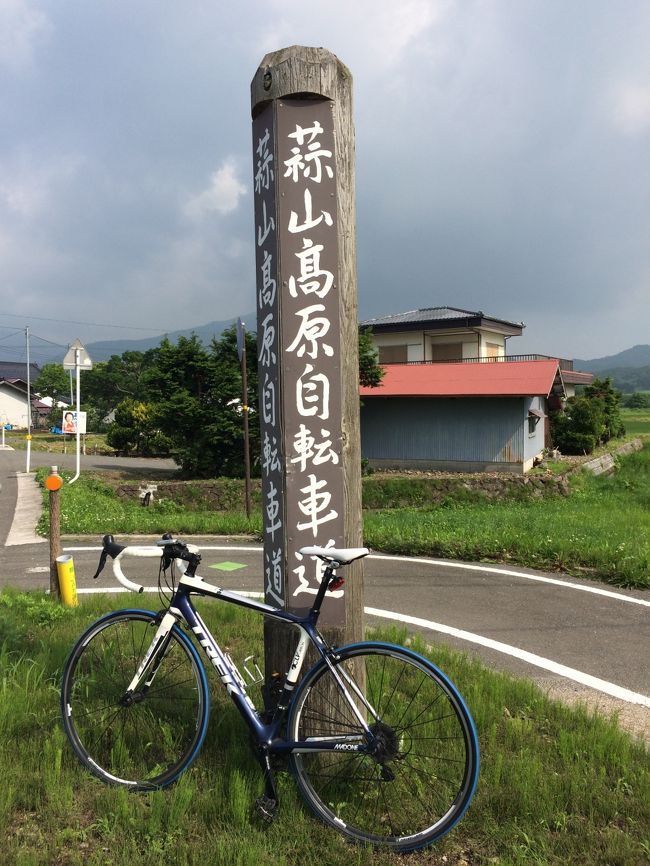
(340, 555)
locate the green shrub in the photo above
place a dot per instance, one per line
(580, 427)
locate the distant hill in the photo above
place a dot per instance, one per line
(637, 356)
(629, 370)
(103, 349)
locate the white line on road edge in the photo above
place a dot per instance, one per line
(510, 573)
(608, 593)
(539, 661)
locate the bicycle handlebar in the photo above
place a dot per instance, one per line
(171, 550)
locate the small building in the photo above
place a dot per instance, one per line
(440, 334)
(13, 395)
(454, 399)
(13, 403)
(459, 417)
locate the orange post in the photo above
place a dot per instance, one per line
(53, 483)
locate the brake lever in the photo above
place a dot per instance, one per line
(109, 548)
(102, 563)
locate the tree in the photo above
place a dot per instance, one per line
(53, 381)
(197, 393)
(638, 400)
(370, 372)
(589, 420)
(122, 376)
(136, 430)
(610, 399)
(579, 427)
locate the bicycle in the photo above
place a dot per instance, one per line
(380, 742)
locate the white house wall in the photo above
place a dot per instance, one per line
(419, 343)
(13, 408)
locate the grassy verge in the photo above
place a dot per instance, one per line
(557, 785)
(56, 443)
(602, 529)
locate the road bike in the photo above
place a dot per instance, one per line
(380, 742)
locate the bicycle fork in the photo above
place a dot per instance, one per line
(148, 667)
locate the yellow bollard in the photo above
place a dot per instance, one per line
(67, 581)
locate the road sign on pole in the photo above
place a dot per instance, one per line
(77, 358)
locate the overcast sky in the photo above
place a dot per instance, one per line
(503, 162)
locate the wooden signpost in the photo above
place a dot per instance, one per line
(307, 334)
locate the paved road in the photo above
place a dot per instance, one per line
(576, 638)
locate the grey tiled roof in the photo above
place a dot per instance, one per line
(432, 314)
(18, 370)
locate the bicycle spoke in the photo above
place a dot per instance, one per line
(146, 740)
(414, 784)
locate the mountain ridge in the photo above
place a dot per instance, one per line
(103, 349)
(636, 356)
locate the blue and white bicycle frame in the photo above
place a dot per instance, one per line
(266, 735)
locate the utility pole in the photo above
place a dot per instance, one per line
(29, 405)
(241, 350)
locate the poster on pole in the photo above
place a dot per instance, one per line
(73, 420)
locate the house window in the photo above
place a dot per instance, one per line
(393, 354)
(493, 350)
(534, 417)
(446, 351)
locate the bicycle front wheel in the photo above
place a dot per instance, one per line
(416, 779)
(146, 740)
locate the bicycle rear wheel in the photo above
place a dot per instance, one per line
(420, 776)
(145, 742)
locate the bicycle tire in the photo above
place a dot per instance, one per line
(148, 744)
(423, 775)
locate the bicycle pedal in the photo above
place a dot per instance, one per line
(267, 808)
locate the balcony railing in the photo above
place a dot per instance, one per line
(565, 363)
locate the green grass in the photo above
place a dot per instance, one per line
(91, 506)
(603, 527)
(636, 421)
(557, 785)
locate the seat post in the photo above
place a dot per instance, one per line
(322, 589)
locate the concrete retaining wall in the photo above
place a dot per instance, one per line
(606, 463)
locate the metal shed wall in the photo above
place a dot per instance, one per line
(465, 433)
(533, 442)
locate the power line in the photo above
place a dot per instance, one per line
(12, 334)
(89, 324)
(51, 343)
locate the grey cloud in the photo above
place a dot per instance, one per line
(501, 161)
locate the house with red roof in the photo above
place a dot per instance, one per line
(453, 399)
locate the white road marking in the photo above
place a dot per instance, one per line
(565, 584)
(539, 661)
